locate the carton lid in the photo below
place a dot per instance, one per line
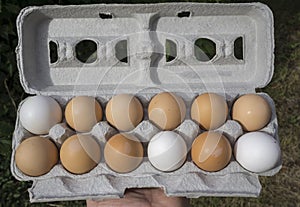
(127, 45)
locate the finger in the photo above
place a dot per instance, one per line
(157, 197)
(122, 202)
(139, 193)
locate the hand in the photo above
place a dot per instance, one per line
(142, 197)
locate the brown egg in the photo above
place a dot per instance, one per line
(211, 151)
(209, 110)
(123, 153)
(36, 156)
(252, 112)
(82, 113)
(80, 153)
(124, 112)
(167, 110)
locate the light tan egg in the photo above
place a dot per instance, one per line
(36, 156)
(252, 111)
(124, 111)
(123, 153)
(209, 110)
(82, 113)
(211, 151)
(167, 110)
(80, 153)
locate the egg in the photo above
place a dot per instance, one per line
(257, 152)
(252, 111)
(123, 153)
(209, 110)
(167, 151)
(82, 113)
(36, 156)
(167, 110)
(211, 151)
(80, 153)
(39, 113)
(124, 111)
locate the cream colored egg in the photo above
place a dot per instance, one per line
(209, 110)
(82, 113)
(36, 156)
(167, 110)
(124, 112)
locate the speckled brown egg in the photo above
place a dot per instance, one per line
(252, 111)
(167, 110)
(80, 153)
(82, 113)
(36, 156)
(209, 110)
(124, 111)
(123, 153)
(211, 151)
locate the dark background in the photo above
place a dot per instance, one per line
(282, 189)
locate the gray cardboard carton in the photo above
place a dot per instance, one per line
(145, 28)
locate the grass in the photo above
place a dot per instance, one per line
(282, 189)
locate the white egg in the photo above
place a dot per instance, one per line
(167, 151)
(257, 152)
(39, 113)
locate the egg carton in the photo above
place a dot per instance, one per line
(145, 28)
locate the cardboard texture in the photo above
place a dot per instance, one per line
(145, 27)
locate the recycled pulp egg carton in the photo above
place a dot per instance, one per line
(144, 28)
